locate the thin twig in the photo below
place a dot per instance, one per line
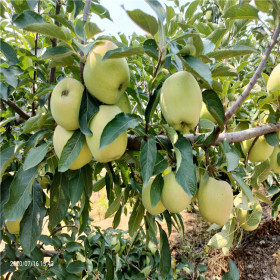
(60, 228)
(230, 112)
(14, 107)
(134, 142)
(250, 149)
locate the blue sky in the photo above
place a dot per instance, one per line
(121, 22)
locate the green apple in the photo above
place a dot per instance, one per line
(205, 114)
(273, 83)
(107, 79)
(60, 138)
(124, 104)
(250, 219)
(273, 160)
(261, 150)
(146, 199)
(181, 101)
(215, 200)
(65, 103)
(13, 227)
(173, 197)
(116, 149)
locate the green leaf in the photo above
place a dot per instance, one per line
(31, 224)
(117, 126)
(64, 21)
(26, 18)
(73, 246)
(232, 51)
(57, 52)
(160, 165)
(186, 169)
(272, 139)
(114, 206)
(191, 9)
(165, 254)
(151, 48)
(245, 12)
(261, 173)
(152, 104)
(84, 216)
(20, 194)
(276, 207)
(214, 106)
(71, 151)
(158, 9)
(224, 238)
(198, 68)
(98, 185)
(4, 194)
(91, 29)
(31, 124)
(224, 70)
(124, 52)
(89, 107)
(101, 11)
(156, 189)
(109, 268)
(78, 7)
(246, 190)
(59, 199)
(147, 22)
(63, 61)
(232, 160)
(87, 172)
(76, 186)
(148, 157)
(136, 217)
(9, 52)
(35, 156)
(217, 36)
(233, 273)
(6, 156)
(50, 29)
(3, 91)
(59, 271)
(75, 266)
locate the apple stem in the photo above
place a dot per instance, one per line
(65, 92)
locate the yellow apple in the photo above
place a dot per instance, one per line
(273, 160)
(215, 200)
(107, 79)
(250, 219)
(173, 197)
(181, 101)
(60, 138)
(124, 104)
(261, 150)
(205, 114)
(13, 227)
(65, 103)
(116, 149)
(273, 83)
(146, 199)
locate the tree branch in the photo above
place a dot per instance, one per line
(18, 110)
(134, 142)
(229, 113)
(54, 42)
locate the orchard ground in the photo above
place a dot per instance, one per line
(257, 257)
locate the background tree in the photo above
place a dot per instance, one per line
(230, 47)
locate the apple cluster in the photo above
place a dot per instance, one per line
(105, 80)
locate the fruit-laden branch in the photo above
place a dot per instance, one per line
(14, 107)
(229, 113)
(134, 142)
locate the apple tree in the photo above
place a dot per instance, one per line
(183, 117)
